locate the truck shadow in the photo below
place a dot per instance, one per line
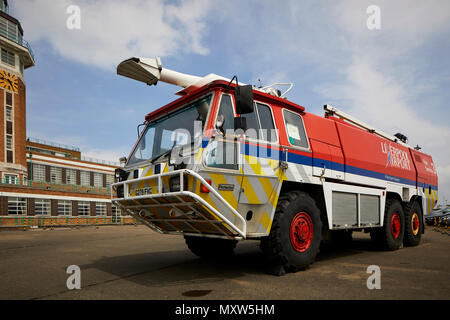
(172, 268)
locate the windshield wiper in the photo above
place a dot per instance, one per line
(165, 153)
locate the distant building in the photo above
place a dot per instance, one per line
(42, 183)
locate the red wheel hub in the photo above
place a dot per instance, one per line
(415, 224)
(301, 233)
(395, 225)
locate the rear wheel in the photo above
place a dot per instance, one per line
(390, 236)
(413, 224)
(210, 247)
(296, 233)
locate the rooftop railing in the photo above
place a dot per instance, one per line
(53, 144)
(62, 146)
(9, 30)
(26, 45)
(100, 161)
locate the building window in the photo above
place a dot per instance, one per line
(85, 178)
(84, 208)
(64, 208)
(8, 57)
(98, 180)
(56, 175)
(9, 113)
(42, 207)
(17, 206)
(38, 172)
(115, 211)
(9, 142)
(71, 176)
(10, 179)
(100, 209)
(109, 180)
(9, 98)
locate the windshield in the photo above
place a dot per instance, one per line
(174, 129)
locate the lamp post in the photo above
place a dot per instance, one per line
(30, 179)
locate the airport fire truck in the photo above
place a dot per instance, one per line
(228, 161)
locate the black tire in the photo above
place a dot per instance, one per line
(390, 236)
(210, 247)
(292, 212)
(413, 224)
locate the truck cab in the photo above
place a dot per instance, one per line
(231, 178)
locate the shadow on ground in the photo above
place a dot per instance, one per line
(167, 268)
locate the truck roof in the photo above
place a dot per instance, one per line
(194, 92)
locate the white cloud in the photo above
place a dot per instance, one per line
(115, 30)
(373, 75)
(379, 100)
(380, 84)
(379, 76)
(374, 95)
(404, 25)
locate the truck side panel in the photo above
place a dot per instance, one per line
(371, 157)
(328, 159)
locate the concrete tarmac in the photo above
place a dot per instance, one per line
(128, 262)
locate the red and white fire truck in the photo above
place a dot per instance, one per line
(228, 162)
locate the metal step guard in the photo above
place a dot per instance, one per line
(180, 212)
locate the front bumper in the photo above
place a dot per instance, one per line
(184, 211)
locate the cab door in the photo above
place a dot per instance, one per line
(261, 158)
(221, 157)
(262, 173)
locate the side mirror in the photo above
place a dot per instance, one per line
(220, 121)
(243, 96)
(240, 123)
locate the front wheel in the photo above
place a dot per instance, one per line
(296, 233)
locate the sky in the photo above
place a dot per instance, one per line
(397, 77)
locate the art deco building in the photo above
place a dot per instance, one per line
(42, 183)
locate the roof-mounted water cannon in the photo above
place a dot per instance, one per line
(150, 71)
